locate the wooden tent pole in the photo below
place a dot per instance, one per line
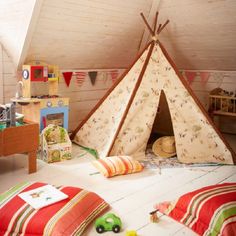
(185, 84)
(159, 28)
(132, 96)
(107, 93)
(155, 22)
(159, 31)
(148, 26)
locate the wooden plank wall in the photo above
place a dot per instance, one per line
(84, 97)
(9, 78)
(1, 74)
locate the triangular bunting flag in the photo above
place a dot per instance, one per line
(190, 75)
(218, 78)
(104, 77)
(204, 76)
(114, 75)
(67, 77)
(80, 76)
(92, 76)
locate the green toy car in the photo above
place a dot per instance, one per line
(108, 222)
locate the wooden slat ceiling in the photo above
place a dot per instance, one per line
(201, 34)
(88, 34)
(107, 34)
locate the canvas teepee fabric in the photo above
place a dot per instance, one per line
(122, 123)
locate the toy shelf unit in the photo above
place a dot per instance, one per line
(222, 105)
(222, 109)
(39, 96)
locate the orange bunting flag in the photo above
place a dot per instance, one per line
(190, 75)
(114, 74)
(80, 76)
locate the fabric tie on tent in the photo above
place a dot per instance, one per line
(67, 77)
(92, 76)
(190, 75)
(114, 74)
(80, 76)
(204, 76)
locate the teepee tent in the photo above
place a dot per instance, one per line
(121, 123)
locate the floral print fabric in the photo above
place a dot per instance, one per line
(196, 139)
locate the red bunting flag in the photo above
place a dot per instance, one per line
(80, 76)
(67, 77)
(204, 76)
(114, 74)
(190, 75)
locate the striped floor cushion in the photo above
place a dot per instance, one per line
(207, 211)
(117, 165)
(67, 217)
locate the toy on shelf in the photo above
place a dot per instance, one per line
(39, 96)
(9, 117)
(55, 144)
(39, 72)
(108, 222)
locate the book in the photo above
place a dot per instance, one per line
(42, 196)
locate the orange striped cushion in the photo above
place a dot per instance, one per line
(117, 165)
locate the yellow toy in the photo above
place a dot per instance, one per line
(131, 233)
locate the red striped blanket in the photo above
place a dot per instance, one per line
(67, 217)
(207, 211)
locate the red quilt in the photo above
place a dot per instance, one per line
(67, 217)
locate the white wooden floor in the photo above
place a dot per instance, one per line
(131, 197)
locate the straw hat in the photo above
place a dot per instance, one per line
(164, 146)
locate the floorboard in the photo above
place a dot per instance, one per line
(131, 197)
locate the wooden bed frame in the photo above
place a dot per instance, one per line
(21, 139)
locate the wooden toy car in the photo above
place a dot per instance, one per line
(108, 222)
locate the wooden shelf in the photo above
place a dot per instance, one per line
(222, 105)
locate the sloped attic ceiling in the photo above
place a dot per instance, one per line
(15, 18)
(201, 34)
(88, 33)
(108, 34)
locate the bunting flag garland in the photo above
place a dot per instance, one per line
(67, 77)
(204, 76)
(218, 78)
(104, 76)
(190, 75)
(114, 74)
(92, 76)
(80, 76)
